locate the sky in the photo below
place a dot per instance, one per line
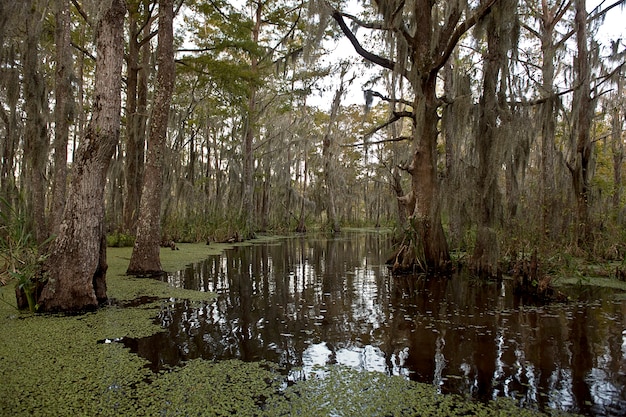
(614, 25)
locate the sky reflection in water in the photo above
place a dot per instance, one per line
(307, 302)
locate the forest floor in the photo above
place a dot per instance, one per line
(60, 365)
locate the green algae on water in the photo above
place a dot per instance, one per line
(58, 365)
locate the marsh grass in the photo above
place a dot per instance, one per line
(57, 365)
(21, 256)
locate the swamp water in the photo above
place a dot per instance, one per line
(303, 302)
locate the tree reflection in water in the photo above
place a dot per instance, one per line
(305, 302)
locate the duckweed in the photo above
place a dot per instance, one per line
(58, 365)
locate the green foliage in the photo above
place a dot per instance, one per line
(215, 228)
(21, 256)
(120, 240)
(343, 391)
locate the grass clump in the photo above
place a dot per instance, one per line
(21, 256)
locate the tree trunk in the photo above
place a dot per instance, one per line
(77, 265)
(488, 202)
(8, 186)
(581, 134)
(428, 249)
(328, 156)
(617, 145)
(247, 200)
(550, 16)
(145, 259)
(301, 227)
(136, 104)
(63, 110)
(35, 135)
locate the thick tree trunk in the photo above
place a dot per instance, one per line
(63, 110)
(76, 267)
(551, 15)
(145, 259)
(429, 248)
(548, 134)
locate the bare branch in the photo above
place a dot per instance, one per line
(590, 19)
(395, 117)
(83, 51)
(460, 30)
(367, 25)
(81, 12)
(376, 59)
(389, 99)
(377, 142)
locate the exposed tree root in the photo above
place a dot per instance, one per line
(531, 282)
(406, 260)
(403, 260)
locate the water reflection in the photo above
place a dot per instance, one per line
(307, 302)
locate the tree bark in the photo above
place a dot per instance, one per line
(9, 12)
(328, 156)
(247, 206)
(551, 15)
(581, 134)
(428, 247)
(488, 203)
(136, 103)
(145, 259)
(77, 266)
(617, 145)
(8, 186)
(63, 110)
(35, 135)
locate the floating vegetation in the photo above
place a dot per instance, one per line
(60, 365)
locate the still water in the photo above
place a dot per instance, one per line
(302, 302)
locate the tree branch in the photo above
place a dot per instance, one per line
(397, 115)
(376, 59)
(388, 99)
(590, 19)
(378, 142)
(81, 12)
(460, 30)
(84, 51)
